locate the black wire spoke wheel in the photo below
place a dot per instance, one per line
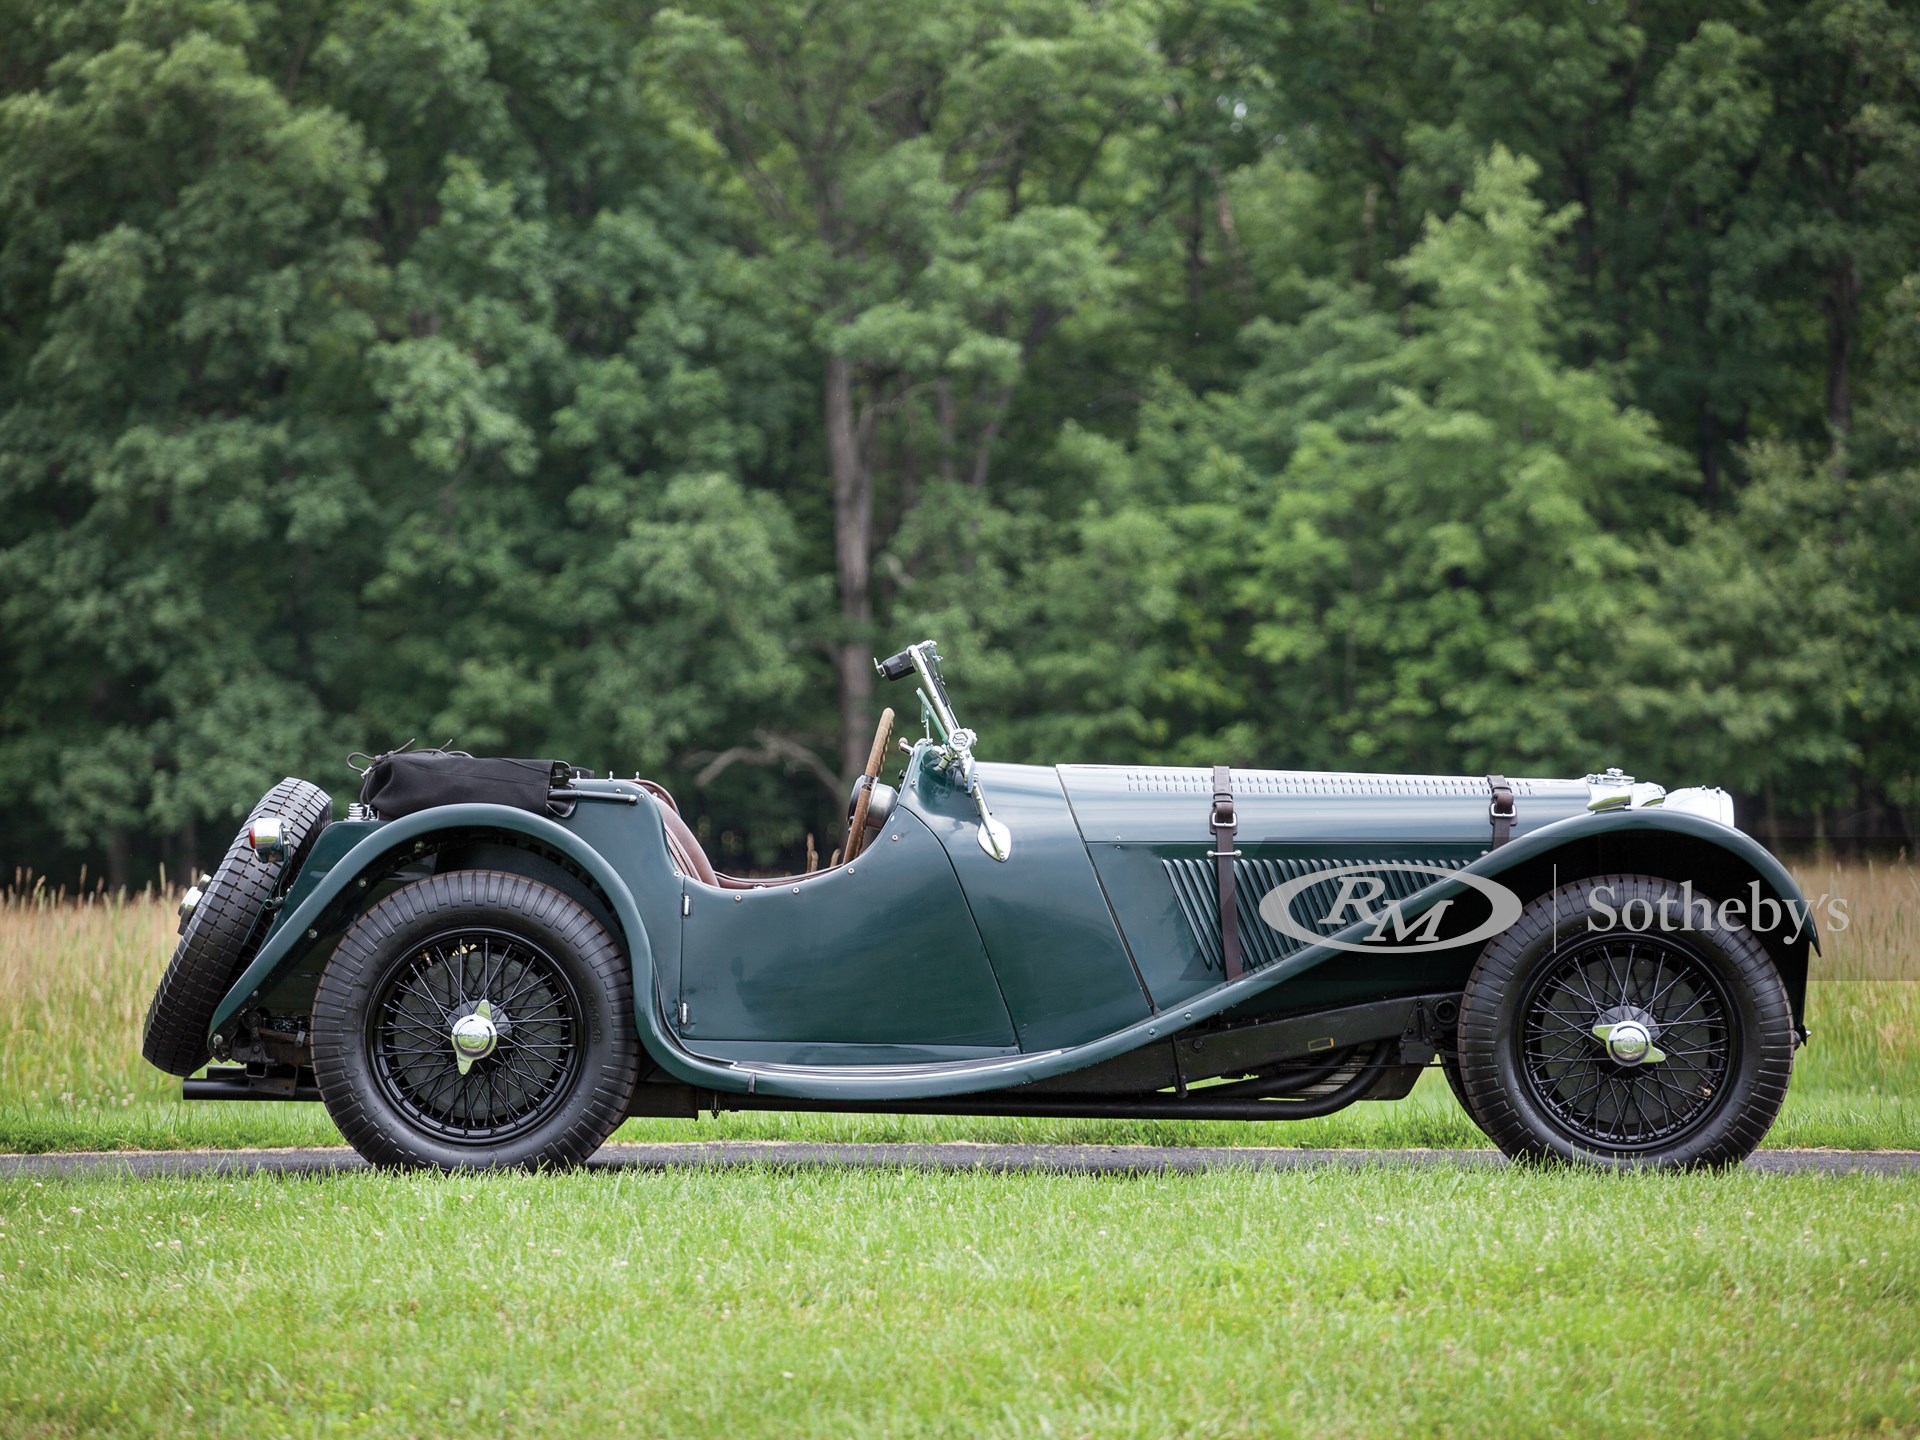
(1583, 1039)
(477, 1019)
(1627, 1041)
(476, 1036)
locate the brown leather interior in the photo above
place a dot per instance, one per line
(684, 846)
(659, 792)
(691, 860)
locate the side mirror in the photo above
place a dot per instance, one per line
(956, 748)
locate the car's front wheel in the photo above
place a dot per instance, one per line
(1587, 1038)
(476, 1019)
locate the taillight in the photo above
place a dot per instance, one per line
(267, 835)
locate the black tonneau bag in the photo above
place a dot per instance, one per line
(403, 781)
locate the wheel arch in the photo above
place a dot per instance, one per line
(1721, 862)
(475, 836)
(517, 853)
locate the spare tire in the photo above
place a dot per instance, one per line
(222, 932)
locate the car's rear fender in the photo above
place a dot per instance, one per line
(470, 834)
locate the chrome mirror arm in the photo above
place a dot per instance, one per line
(925, 658)
(956, 748)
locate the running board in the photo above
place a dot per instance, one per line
(981, 1066)
(689, 1103)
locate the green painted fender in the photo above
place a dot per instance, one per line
(287, 938)
(1694, 829)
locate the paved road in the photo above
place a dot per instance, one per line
(1021, 1159)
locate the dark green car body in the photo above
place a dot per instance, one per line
(1081, 974)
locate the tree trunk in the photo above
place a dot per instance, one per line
(989, 433)
(1843, 308)
(1709, 451)
(182, 851)
(119, 858)
(853, 556)
(949, 425)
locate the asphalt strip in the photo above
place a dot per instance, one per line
(945, 1156)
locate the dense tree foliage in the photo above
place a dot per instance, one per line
(1441, 386)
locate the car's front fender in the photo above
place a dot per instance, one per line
(1673, 845)
(1621, 839)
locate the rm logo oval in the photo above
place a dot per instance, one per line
(1359, 887)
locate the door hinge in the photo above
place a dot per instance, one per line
(683, 1014)
(686, 904)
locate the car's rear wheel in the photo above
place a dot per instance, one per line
(1586, 1040)
(476, 1019)
(1450, 1067)
(221, 932)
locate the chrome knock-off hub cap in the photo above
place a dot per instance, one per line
(474, 1036)
(190, 901)
(1628, 1038)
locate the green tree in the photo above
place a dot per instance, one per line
(1388, 550)
(1291, 383)
(180, 415)
(1745, 672)
(913, 188)
(388, 396)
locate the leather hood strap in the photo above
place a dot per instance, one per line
(1501, 809)
(1225, 826)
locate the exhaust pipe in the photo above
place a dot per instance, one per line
(237, 1082)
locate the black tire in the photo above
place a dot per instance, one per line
(1543, 1086)
(1450, 1067)
(222, 934)
(562, 1066)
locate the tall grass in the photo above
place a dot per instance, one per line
(1863, 1011)
(76, 974)
(1880, 939)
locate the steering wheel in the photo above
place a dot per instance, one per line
(863, 791)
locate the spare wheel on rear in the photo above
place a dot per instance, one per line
(221, 932)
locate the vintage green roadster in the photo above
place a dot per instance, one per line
(492, 963)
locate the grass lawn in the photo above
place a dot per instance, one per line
(900, 1303)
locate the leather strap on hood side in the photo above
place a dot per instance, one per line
(1501, 811)
(1225, 826)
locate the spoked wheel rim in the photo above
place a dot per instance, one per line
(1628, 1042)
(475, 1036)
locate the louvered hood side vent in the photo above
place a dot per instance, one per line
(1187, 780)
(1260, 944)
